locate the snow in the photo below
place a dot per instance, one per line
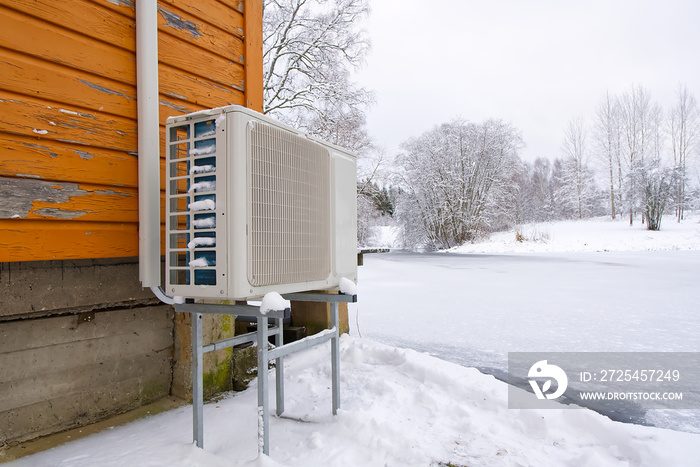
(40, 132)
(69, 112)
(203, 150)
(385, 236)
(601, 234)
(398, 407)
(473, 309)
(347, 286)
(206, 223)
(207, 134)
(220, 119)
(402, 406)
(199, 263)
(178, 299)
(201, 241)
(202, 186)
(202, 205)
(200, 169)
(598, 234)
(272, 301)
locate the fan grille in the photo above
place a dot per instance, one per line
(289, 220)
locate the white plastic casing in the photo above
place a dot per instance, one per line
(254, 206)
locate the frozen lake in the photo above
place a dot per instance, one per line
(474, 309)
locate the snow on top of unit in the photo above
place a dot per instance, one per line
(179, 299)
(206, 223)
(202, 186)
(202, 205)
(347, 286)
(203, 150)
(199, 263)
(272, 301)
(40, 132)
(202, 169)
(201, 241)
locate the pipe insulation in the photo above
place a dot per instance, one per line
(148, 141)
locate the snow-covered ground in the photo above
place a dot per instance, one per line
(474, 308)
(399, 408)
(407, 407)
(600, 234)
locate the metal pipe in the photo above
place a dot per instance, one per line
(148, 141)
(160, 294)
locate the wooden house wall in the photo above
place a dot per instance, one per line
(68, 121)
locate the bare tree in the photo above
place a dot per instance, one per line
(635, 109)
(607, 136)
(684, 130)
(310, 47)
(578, 179)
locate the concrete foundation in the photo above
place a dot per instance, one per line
(316, 317)
(61, 372)
(80, 341)
(218, 376)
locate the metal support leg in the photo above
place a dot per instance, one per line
(263, 393)
(279, 369)
(335, 358)
(197, 381)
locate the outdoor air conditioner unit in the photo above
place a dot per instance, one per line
(254, 206)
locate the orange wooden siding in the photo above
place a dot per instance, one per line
(68, 131)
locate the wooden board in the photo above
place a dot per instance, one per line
(68, 133)
(29, 240)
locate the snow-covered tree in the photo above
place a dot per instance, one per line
(684, 131)
(608, 146)
(309, 49)
(656, 184)
(637, 137)
(578, 191)
(453, 176)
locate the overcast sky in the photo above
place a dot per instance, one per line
(534, 63)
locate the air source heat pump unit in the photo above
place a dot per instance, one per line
(254, 206)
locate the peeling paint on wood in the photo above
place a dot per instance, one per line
(179, 108)
(176, 96)
(176, 22)
(104, 89)
(84, 155)
(31, 199)
(59, 213)
(75, 195)
(106, 131)
(18, 195)
(128, 3)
